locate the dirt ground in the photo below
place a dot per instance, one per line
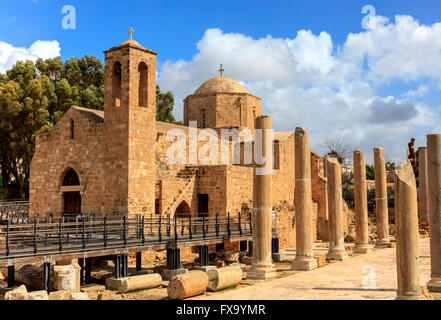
(361, 277)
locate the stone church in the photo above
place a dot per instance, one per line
(114, 161)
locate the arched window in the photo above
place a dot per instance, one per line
(143, 84)
(116, 83)
(71, 178)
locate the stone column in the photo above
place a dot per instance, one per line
(303, 202)
(335, 199)
(434, 175)
(262, 267)
(423, 202)
(361, 209)
(382, 213)
(406, 217)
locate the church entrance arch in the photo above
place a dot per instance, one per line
(72, 199)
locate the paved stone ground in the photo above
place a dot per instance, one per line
(336, 281)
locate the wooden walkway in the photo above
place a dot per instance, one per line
(38, 240)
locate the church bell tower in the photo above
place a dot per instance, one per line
(130, 126)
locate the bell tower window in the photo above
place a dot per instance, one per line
(143, 84)
(116, 84)
(204, 118)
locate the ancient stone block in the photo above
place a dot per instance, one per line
(222, 278)
(59, 295)
(187, 285)
(38, 295)
(67, 277)
(20, 293)
(79, 296)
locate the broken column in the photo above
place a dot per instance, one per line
(434, 174)
(262, 267)
(361, 209)
(407, 233)
(303, 202)
(187, 285)
(141, 282)
(222, 278)
(423, 201)
(381, 202)
(335, 199)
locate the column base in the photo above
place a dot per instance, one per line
(304, 264)
(337, 255)
(278, 257)
(362, 249)
(434, 285)
(415, 297)
(382, 243)
(261, 272)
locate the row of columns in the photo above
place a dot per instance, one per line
(410, 210)
(262, 267)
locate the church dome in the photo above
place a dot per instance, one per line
(220, 85)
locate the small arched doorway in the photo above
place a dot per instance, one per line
(72, 199)
(183, 210)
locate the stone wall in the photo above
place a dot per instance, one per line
(56, 152)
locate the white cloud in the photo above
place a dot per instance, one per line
(9, 54)
(404, 49)
(419, 92)
(330, 90)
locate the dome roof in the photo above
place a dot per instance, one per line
(220, 85)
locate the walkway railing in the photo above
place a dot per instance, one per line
(15, 211)
(47, 236)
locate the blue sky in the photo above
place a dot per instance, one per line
(312, 62)
(174, 27)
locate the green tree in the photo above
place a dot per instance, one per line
(33, 97)
(370, 172)
(165, 102)
(390, 165)
(24, 114)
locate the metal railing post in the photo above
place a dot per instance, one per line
(7, 238)
(142, 231)
(190, 234)
(240, 223)
(217, 225)
(83, 234)
(159, 228)
(35, 236)
(124, 231)
(105, 231)
(60, 243)
(229, 226)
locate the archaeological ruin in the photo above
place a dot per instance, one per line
(120, 202)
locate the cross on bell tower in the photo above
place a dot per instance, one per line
(221, 70)
(131, 32)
